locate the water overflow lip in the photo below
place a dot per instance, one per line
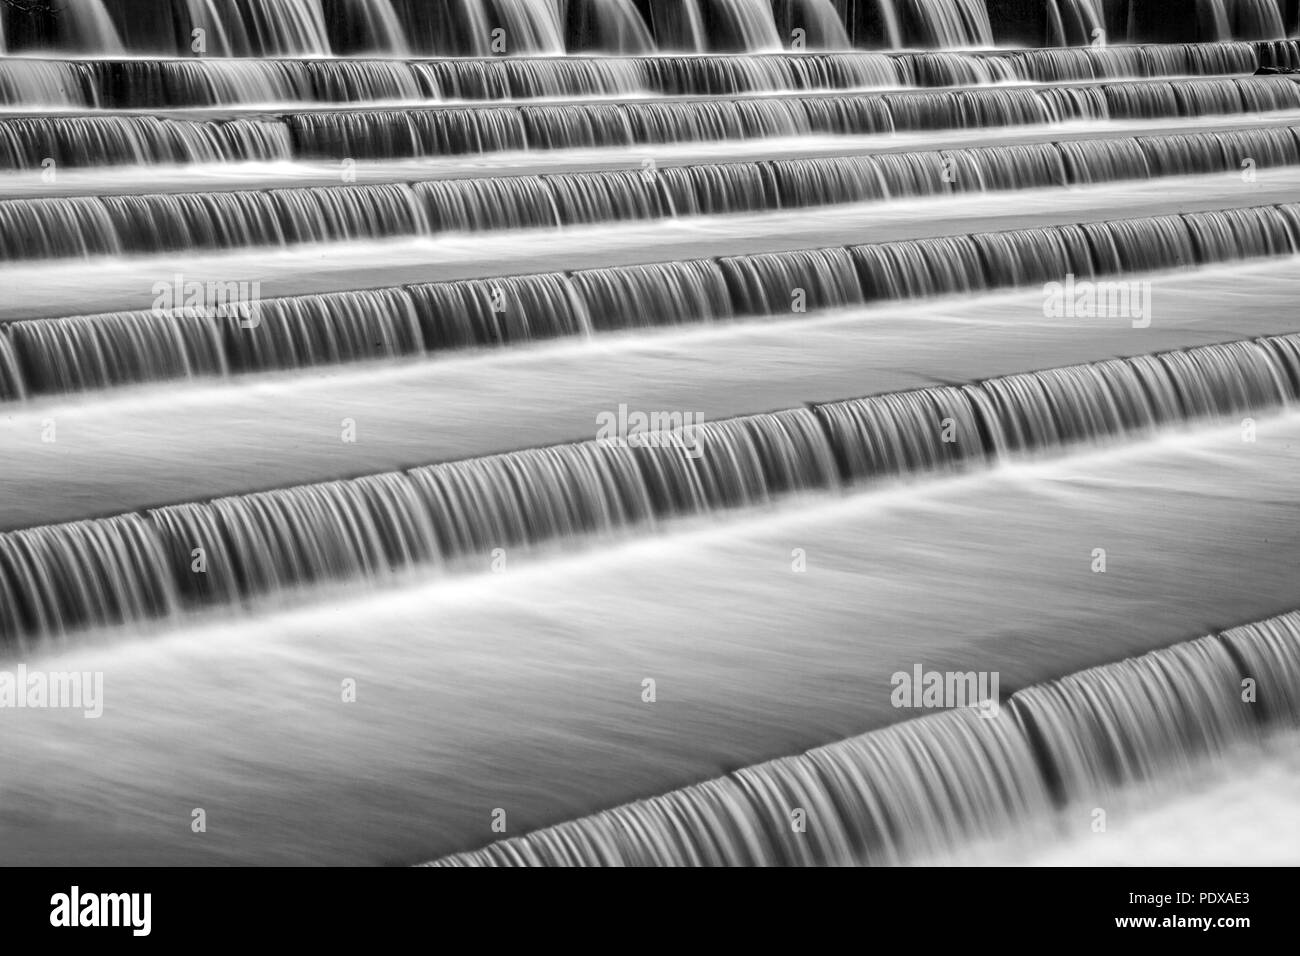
(97, 226)
(1141, 226)
(120, 137)
(1052, 756)
(129, 180)
(371, 527)
(706, 370)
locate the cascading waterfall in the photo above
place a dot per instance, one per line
(666, 292)
(111, 140)
(743, 25)
(58, 578)
(287, 28)
(452, 28)
(297, 332)
(923, 787)
(1076, 22)
(525, 79)
(377, 27)
(821, 25)
(491, 28)
(206, 15)
(376, 134)
(951, 23)
(97, 351)
(529, 26)
(761, 284)
(892, 26)
(365, 528)
(893, 434)
(86, 27)
(1244, 19)
(461, 314)
(1217, 13)
(613, 26)
(379, 163)
(1278, 53)
(678, 25)
(135, 84)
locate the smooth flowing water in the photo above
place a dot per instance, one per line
(714, 613)
(921, 787)
(621, 394)
(98, 573)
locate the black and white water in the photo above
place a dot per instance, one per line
(970, 346)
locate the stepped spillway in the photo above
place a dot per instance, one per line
(617, 393)
(374, 525)
(379, 134)
(1064, 743)
(567, 671)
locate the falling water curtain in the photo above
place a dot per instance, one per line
(462, 27)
